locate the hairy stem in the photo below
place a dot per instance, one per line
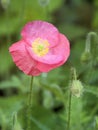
(69, 112)
(29, 106)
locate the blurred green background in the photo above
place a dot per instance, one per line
(75, 19)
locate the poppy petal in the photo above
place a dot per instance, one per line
(22, 59)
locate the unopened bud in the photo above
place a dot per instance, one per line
(16, 124)
(76, 88)
(86, 57)
(44, 3)
(5, 3)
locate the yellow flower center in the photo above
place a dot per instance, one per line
(40, 47)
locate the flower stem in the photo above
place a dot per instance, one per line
(69, 111)
(73, 76)
(88, 41)
(29, 106)
(14, 120)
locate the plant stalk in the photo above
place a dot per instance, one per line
(69, 111)
(29, 105)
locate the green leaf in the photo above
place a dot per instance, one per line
(14, 82)
(5, 60)
(42, 119)
(8, 106)
(91, 89)
(56, 90)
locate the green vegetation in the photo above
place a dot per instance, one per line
(77, 19)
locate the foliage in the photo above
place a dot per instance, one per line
(50, 92)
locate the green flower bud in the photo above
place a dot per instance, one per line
(86, 57)
(5, 3)
(44, 3)
(16, 124)
(76, 88)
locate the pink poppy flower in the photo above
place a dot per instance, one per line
(41, 48)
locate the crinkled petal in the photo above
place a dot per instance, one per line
(22, 59)
(57, 55)
(40, 29)
(63, 48)
(47, 59)
(46, 67)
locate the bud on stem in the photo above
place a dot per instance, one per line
(44, 3)
(87, 56)
(5, 3)
(76, 85)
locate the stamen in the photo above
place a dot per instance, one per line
(40, 47)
